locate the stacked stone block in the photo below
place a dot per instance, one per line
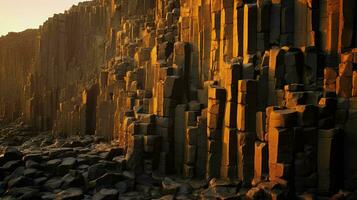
(344, 78)
(250, 29)
(226, 32)
(311, 70)
(233, 72)
(247, 108)
(350, 147)
(263, 24)
(275, 23)
(329, 163)
(330, 76)
(166, 96)
(281, 145)
(276, 73)
(193, 147)
(179, 129)
(201, 155)
(294, 66)
(348, 123)
(215, 39)
(215, 118)
(238, 23)
(306, 142)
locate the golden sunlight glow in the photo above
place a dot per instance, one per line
(18, 15)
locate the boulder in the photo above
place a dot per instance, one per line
(52, 164)
(106, 194)
(114, 152)
(32, 173)
(73, 179)
(28, 192)
(70, 194)
(53, 183)
(36, 157)
(95, 171)
(59, 152)
(48, 196)
(40, 181)
(256, 193)
(20, 181)
(11, 153)
(169, 186)
(108, 180)
(19, 171)
(11, 165)
(32, 164)
(66, 165)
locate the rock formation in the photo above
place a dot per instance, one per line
(260, 92)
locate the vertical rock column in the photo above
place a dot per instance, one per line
(232, 73)
(195, 141)
(247, 108)
(18, 54)
(191, 146)
(281, 145)
(250, 29)
(226, 33)
(238, 21)
(215, 118)
(215, 38)
(276, 73)
(205, 34)
(329, 84)
(263, 24)
(275, 22)
(179, 130)
(168, 94)
(350, 139)
(305, 148)
(287, 23)
(347, 29)
(344, 79)
(329, 29)
(201, 156)
(354, 84)
(260, 162)
(105, 107)
(329, 163)
(350, 119)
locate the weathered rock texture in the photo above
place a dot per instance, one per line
(19, 52)
(254, 91)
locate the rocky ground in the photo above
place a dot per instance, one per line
(34, 165)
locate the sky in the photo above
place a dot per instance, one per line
(19, 15)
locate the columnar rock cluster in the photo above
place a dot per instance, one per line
(18, 52)
(262, 91)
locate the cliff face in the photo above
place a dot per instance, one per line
(18, 53)
(73, 48)
(251, 90)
